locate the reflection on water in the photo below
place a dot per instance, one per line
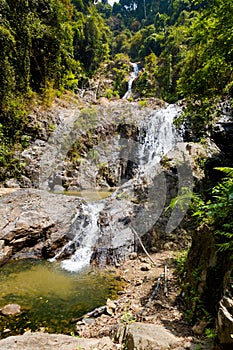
(49, 296)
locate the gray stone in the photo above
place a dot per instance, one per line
(12, 183)
(38, 223)
(146, 336)
(11, 310)
(5, 252)
(39, 341)
(2, 245)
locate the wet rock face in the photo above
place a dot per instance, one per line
(35, 223)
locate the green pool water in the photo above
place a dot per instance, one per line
(88, 195)
(51, 297)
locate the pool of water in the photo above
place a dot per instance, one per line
(88, 195)
(51, 297)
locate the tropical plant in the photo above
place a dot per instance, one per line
(217, 212)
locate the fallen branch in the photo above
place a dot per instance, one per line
(95, 313)
(142, 245)
(155, 291)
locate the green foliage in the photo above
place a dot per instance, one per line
(46, 46)
(185, 49)
(210, 333)
(218, 212)
(180, 260)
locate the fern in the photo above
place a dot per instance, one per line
(218, 211)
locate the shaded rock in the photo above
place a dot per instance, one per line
(38, 341)
(146, 336)
(145, 267)
(225, 322)
(5, 252)
(223, 130)
(11, 310)
(25, 182)
(199, 327)
(133, 256)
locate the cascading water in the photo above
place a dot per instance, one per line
(157, 136)
(133, 76)
(84, 238)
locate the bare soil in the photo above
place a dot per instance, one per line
(146, 298)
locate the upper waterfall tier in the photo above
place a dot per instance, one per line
(133, 76)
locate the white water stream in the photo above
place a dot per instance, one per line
(157, 137)
(133, 76)
(84, 239)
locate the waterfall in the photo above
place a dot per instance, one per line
(85, 236)
(133, 76)
(157, 136)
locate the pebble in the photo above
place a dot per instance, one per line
(145, 267)
(138, 282)
(133, 256)
(88, 320)
(11, 309)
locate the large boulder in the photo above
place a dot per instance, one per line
(36, 223)
(146, 336)
(38, 341)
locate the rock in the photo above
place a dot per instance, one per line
(88, 320)
(225, 322)
(5, 191)
(146, 336)
(103, 101)
(199, 327)
(138, 282)
(5, 252)
(145, 267)
(169, 246)
(58, 188)
(10, 310)
(111, 306)
(223, 130)
(37, 223)
(12, 183)
(38, 341)
(25, 182)
(133, 256)
(2, 245)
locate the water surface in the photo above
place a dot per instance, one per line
(51, 297)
